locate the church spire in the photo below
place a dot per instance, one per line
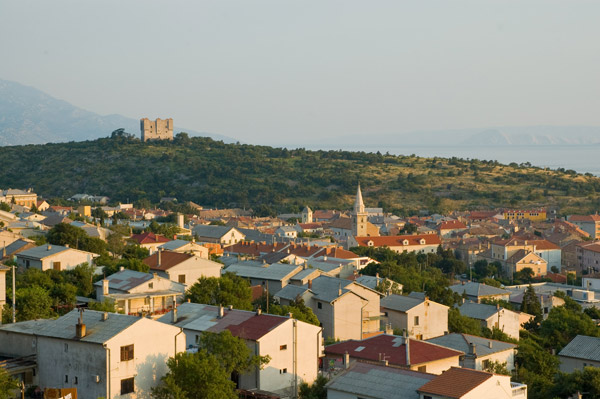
(359, 205)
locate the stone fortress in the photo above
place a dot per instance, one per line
(160, 129)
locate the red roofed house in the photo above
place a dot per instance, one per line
(182, 268)
(588, 223)
(588, 255)
(502, 250)
(421, 356)
(447, 228)
(460, 383)
(149, 240)
(420, 243)
(293, 346)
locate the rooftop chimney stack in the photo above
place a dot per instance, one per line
(346, 360)
(472, 351)
(80, 327)
(105, 283)
(104, 316)
(258, 311)
(158, 260)
(174, 316)
(221, 312)
(407, 348)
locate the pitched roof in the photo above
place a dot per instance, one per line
(398, 241)
(212, 231)
(477, 289)
(168, 259)
(462, 342)
(455, 382)
(291, 292)
(97, 330)
(126, 279)
(175, 244)
(584, 218)
(148, 238)
(479, 311)
(400, 302)
(451, 225)
(43, 251)
(243, 324)
(521, 254)
(583, 347)
(276, 271)
(381, 382)
(393, 348)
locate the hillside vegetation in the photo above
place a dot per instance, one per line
(212, 173)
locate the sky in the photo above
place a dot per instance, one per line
(270, 71)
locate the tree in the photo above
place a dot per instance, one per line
(195, 376)
(496, 367)
(232, 352)
(563, 324)
(532, 306)
(315, 391)
(226, 290)
(4, 207)
(33, 303)
(462, 324)
(107, 305)
(7, 385)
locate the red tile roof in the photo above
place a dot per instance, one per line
(393, 348)
(256, 327)
(455, 382)
(451, 225)
(148, 238)
(168, 259)
(584, 218)
(398, 241)
(518, 241)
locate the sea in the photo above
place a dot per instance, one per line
(581, 158)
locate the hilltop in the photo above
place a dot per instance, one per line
(213, 173)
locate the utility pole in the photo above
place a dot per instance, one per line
(14, 317)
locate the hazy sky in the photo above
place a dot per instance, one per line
(261, 71)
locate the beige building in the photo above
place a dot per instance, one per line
(582, 351)
(224, 235)
(346, 310)
(186, 247)
(522, 259)
(54, 257)
(419, 317)
(493, 316)
(160, 129)
(294, 347)
(419, 243)
(3, 271)
(149, 240)
(139, 293)
(588, 223)
(181, 267)
(477, 292)
(101, 354)
(19, 197)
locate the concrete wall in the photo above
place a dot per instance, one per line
(570, 364)
(347, 320)
(508, 322)
(371, 310)
(438, 366)
(193, 269)
(68, 260)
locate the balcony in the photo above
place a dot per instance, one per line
(518, 390)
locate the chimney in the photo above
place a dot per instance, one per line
(66, 245)
(49, 247)
(104, 316)
(230, 307)
(490, 344)
(80, 327)
(258, 311)
(309, 284)
(407, 348)
(472, 350)
(497, 306)
(346, 360)
(340, 290)
(290, 315)
(158, 260)
(174, 315)
(105, 287)
(221, 311)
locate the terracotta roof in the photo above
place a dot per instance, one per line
(540, 244)
(148, 238)
(168, 259)
(255, 327)
(451, 225)
(455, 382)
(310, 226)
(584, 218)
(398, 241)
(482, 214)
(324, 215)
(393, 348)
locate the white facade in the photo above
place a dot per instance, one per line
(63, 260)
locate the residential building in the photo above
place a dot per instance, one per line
(139, 293)
(582, 351)
(464, 383)
(187, 247)
(477, 292)
(493, 316)
(149, 240)
(289, 232)
(376, 381)
(531, 214)
(523, 259)
(588, 257)
(449, 227)
(421, 355)
(547, 301)
(181, 267)
(502, 250)
(294, 347)
(3, 271)
(224, 235)
(274, 277)
(419, 243)
(588, 223)
(480, 353)
(346, 310)
(101, 354)
(56, 257)
(10, 251)
(342, 229)
(19, 197)
(421, 318)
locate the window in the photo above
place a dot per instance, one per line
(75, 381)
(282, 347)
(66, 348)
(283, 371)
(485, 364)
(150, 285)
(56, 266)
(127, 386)
(427, 397)
(66, 378)
(27, 263)
(181, 278)
(416, 320)
(319, 305)
(422, 369)
(127, 353)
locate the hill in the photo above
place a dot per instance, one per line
(30, 116)
(274, 179)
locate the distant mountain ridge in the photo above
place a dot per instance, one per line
(30, 116)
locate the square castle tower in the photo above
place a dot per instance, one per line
(160, 129)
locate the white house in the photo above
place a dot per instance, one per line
(582, 351)
(55, 257)
(491, 316)
(293, 346)
(101, 354)
(181, 267)
(419, 317)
